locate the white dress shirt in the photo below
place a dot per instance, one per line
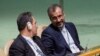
(69, 40)
(34, 46)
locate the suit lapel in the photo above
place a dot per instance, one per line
(69, 28)
(28, 50)
(61, 39)
(36, 39)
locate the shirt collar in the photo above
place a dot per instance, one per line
(27, 38)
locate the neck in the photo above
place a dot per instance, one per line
(28, 34)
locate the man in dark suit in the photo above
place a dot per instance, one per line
(60, 38)
(27, 43)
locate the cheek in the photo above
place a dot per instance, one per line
(35, 28)
(53, 21)
(62, 19)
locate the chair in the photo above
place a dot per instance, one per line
(40, 29)
(2, 52)
(7, 46)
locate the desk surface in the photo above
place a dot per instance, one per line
(91, 52)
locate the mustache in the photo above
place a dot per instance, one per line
(60, 22)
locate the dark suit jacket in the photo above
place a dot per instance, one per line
(21, 48)
(54, 41)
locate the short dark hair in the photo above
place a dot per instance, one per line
(53, 8)
(22, 20)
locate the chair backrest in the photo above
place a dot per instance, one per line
(2, 52)
(7, 46)
(40, 30)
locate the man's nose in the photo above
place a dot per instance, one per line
(58, 20)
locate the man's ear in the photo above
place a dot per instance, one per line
(29, 25)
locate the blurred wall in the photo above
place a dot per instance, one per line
(84, 13)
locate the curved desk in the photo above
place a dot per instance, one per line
(91, 52)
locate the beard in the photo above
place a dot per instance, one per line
(60, 24)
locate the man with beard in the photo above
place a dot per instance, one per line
(60, 37)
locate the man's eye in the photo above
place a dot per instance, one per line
(59, 15)
(54, 17)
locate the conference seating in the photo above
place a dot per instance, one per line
(2, 52)
(7, 46)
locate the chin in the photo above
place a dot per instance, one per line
(60, 25)
(35, 34)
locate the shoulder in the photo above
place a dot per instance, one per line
(17, 48)
(49, 29)
(18, 43)
(69, 23)
(48, 33)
